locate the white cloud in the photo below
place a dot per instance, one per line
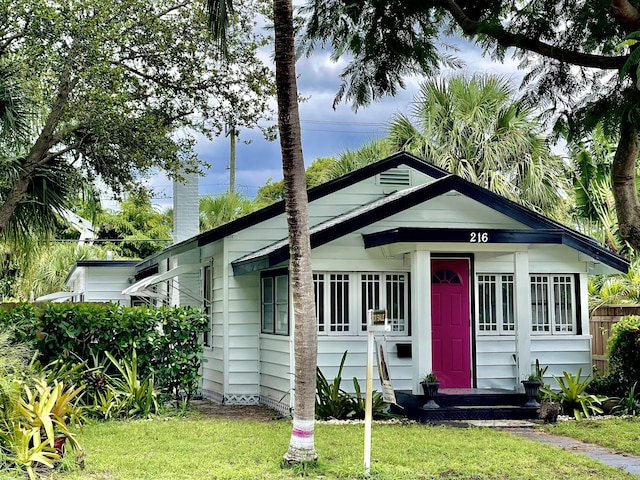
(325, 131)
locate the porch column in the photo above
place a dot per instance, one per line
(420, 316)
(523, 315)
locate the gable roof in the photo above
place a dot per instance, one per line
(395, 160)
(275, 209)
(544, 230)
(384, 207)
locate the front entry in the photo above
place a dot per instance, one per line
(451, 323)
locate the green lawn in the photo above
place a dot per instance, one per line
(621, 434)
(244, 449)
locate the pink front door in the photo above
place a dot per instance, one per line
(451, 323)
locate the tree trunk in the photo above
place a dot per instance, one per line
(302, 444)
(623, 175)
(38, 154)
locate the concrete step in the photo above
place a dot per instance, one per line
(465, 404)
(500, 412)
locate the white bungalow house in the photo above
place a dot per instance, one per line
(476, 286)
(100, 280)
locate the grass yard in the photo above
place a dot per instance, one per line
(214, 448)
(621, 434)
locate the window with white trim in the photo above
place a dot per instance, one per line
(553, 304)
(275, 303)
(496, 312)
(343, 299)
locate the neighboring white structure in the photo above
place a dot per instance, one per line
(100, 281)
(476, 286)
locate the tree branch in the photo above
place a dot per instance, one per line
(508, 39)
(626, 14)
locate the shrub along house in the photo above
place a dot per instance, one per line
(476, 287)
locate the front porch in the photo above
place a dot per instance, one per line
(465, 404)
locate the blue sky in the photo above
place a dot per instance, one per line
(325, 131)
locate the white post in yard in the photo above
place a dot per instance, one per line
(377, 321)
(368, 405)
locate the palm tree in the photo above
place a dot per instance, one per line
(36, 214)
(594, 210)
(48, 268)
(302, 443)
(219, 209)
(351, 160)
(472, 126)
(14, 111)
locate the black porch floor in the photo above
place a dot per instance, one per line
(465, 404)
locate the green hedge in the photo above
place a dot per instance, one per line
(624, 351)
(167, 340)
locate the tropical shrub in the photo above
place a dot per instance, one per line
(572, 396)
(35, 427)
(132, 397)
(606, 385)
(177, 354)
(629, 404)
(20, 320)
(624, 351)
(378, 405)
(14, 361)
(331, 400)
(334, 402)
(166, 340)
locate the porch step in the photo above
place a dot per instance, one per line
(466, 404)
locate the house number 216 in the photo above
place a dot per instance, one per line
(479, 237)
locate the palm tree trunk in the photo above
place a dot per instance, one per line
(302, 444)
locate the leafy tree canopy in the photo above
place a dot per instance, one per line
(119, 88)
(137, 230)
(315, 174)
(575, 72)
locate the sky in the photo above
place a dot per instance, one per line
(325, 131)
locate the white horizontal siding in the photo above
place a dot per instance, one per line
(104, 284)
(495, 365)
(562, 353)
(213, 370)
(330, 352)
(275, 367)
(542, 259)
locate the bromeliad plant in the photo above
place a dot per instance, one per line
(378, 405)
(629, 404)
(331, 400)
(37, 427)
(334, 402)
(133, 397)
(573, 397)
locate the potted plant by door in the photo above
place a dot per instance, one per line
(531, 389)
(532, 385)
(430, 385)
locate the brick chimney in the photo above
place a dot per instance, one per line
(186, 215)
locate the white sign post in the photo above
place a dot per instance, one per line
(378, 322)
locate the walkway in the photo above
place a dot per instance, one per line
(628, 463)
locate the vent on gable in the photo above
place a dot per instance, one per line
(396, 177)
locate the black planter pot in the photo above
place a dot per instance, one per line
(430, 391)
(531, 389)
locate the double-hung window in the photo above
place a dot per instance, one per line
(275, 303)
(553, 304)
(496, 304)
(343, 299)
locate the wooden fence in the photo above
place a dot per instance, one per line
(600, 324)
